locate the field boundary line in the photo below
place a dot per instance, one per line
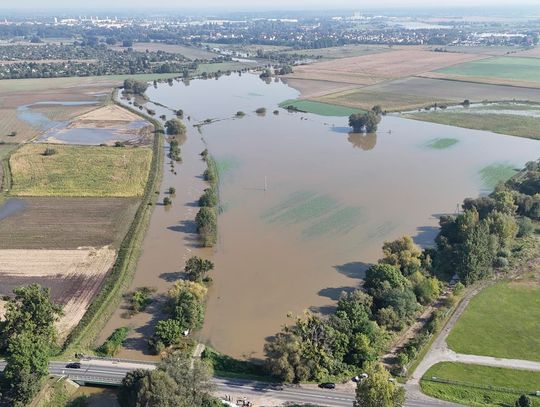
(118, 279)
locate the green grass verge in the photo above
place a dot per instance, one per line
(509, 124)
(514, 68)
(501, 321)
(118, 280)
(441, 143)
(320, 108)
(475, 385)
(495, 173)
(226, 366)
(83, 171)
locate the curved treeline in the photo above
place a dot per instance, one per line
(489, 235)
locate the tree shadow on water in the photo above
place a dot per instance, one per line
(355, 269)
(425, 236)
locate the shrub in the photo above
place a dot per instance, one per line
(113, 343)
(240, 114)
(167, 201)
(209, 198)
(175, 127)
(261, 110)
(49, 151)
(525, 227)
(172, 190)
(501, 262)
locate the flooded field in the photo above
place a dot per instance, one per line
(306, 204)
(105, 125)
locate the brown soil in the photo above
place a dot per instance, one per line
(370, 69)
(73, 276)
(67, 223)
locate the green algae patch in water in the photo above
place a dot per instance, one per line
(497, 172)
(441, 143)
(341, 221)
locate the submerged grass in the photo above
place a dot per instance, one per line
(341, 221)
(320, 214)
(495, 173)
(441, 143)
(502, 123)
(475, 385)
(320, 108)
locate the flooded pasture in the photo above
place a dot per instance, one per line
(306, 204)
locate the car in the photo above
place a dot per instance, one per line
(74, 365)
(327, 385)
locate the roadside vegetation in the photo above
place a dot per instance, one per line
(477, 385)
(84, 171)
(178, 381)
(113, 343)
(28, 339)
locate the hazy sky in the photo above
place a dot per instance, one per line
(247, 4)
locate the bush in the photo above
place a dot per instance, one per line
(175, 127)
(240, 114)
(172, 190)
(501, 262)
(49, 151)
(113, 343)
(525, 227)
(261, 110)
(209, 198)
(167, 201)
(140, 299)
(206, 220)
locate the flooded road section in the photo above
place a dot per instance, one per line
(307, 205)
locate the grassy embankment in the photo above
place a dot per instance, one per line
(496, 324)
(84, 171)
(82, 337)
(320, 108)
(476, 385)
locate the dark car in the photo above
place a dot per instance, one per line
(327, 385)
(74, 365)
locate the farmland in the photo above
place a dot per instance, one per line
(74, 276)
(494, 323)
(346, 51)
(521, 71)
(473, 378)
(370, 69)
(80, 171)
(67, 223)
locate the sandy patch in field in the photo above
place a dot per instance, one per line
(74, 277)
(481, 79)
(371, 69)
(109, 113)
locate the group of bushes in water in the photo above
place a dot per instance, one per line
(206, 218)
(486, 236)
(367, 121)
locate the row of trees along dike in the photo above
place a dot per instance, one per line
(132, 86)
(206, 218)
(489, 235)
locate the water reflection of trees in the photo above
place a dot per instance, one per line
(364, 141)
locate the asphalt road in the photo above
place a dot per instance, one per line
(113, 371)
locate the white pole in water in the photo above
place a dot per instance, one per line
(265, 183)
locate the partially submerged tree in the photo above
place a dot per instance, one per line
(367, 122)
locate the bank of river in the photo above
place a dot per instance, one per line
(306, 204)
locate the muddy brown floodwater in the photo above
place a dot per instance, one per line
(306, 205)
